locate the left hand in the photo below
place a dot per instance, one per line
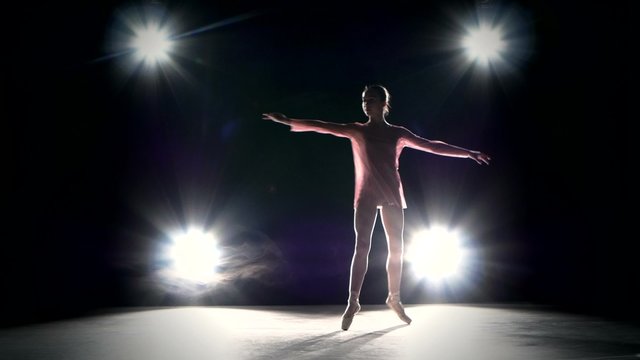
(479, 157)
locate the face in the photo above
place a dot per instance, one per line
(372, 104)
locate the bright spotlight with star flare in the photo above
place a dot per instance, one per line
(436, 255)
(147, 40)
(484, 44)
(194, 256)
(152, 44)
(144, 40)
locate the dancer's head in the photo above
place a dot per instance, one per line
(376, 98)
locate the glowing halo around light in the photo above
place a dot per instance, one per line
(436, 255)
(144, 40)
(484, 44)
(194, 256)
(152, 44)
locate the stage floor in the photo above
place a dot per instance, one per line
(438, 332)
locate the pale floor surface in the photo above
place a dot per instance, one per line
(439, 332)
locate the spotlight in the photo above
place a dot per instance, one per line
(436, 254)
(484, 44)
(194, 256)
(151, 43)
(144, 39)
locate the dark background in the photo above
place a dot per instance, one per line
(103, 163)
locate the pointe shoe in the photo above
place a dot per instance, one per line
(393, 302)
(347, 318)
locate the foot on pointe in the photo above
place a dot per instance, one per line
(347, 318)
(393, 302)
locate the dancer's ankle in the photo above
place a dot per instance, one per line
(394, 296)
(354, 297)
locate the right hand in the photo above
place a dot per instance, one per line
(277, 117)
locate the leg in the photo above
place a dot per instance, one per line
(393, 221)
(364, 220)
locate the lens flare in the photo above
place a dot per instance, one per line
(436, 254)
(194, 256)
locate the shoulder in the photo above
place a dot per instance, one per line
(401, 130)
(344, 124)
(354, 125)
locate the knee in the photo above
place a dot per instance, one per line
(395, 253)
(395, 246)
(394, 258)
(363, 246)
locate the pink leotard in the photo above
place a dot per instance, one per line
(376, 153)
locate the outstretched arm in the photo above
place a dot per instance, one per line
(300, 125)
(442, 148)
